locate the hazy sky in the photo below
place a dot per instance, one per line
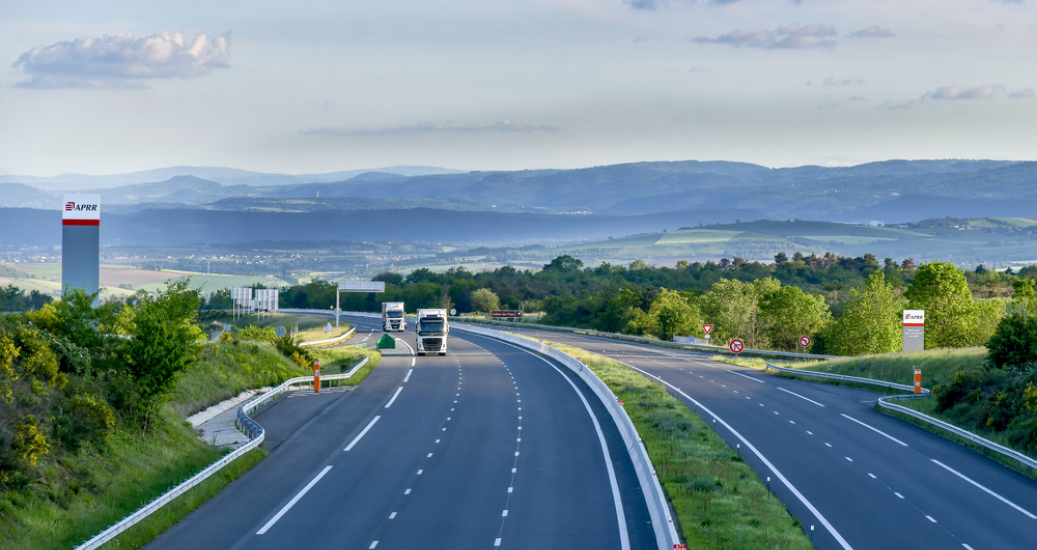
(317, 86)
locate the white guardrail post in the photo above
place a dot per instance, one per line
(245, 423)
(658, 509)
(884, 402)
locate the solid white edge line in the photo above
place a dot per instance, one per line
(292, 502)
(404, 343)
(362, 434)
(744, 376)
(624, 536)
(406, 378)
(824, 522)
(394, 396)
(876, 430)
(800, 396)
(988, 491)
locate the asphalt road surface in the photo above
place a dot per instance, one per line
(490, 446)
(862, 479)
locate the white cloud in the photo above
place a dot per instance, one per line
(873, 31)
(964, 91)
(425, 127)
(794, 36)
(1022, 94)
(121, 61)
(831, 81)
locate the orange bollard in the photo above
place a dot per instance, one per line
(316, 375)
(918, 380)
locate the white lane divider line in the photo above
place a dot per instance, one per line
(876, 430)
(407, 378)
(392, 515)
(505, 514)
(413, 360)
(930, 518)
(496, 542)
(362, 434)
(824, 522)
(407, 492)
(624, 535)
(899, 495)
(872, 476)
(373, 545)
(744, 376)
(984, 489)
(292, 502)
(705, 365)
(800, 396)
(967, 546)
(394, 396)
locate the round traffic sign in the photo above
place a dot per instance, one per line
(736, 346)
(804, 341)
(453, 312)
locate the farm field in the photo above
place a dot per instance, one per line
(119, 280)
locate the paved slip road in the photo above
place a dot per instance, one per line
(876, 481)
(489, 446)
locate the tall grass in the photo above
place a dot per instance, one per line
(719, 501)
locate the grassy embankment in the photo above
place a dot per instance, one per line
(719, 501)
(76, 495)
(311, 328)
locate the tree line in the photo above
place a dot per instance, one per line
(848, 306)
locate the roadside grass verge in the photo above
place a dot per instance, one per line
(169, 515)
(719, 501)
(72, 496)
(342, 360)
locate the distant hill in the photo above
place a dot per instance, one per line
(183, 226)
(224, 176)
(891, 191)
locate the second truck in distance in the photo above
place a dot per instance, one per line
(392, 317)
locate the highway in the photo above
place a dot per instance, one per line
(862, 479)
(488, 447)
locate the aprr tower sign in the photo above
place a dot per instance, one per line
(81, 242)
(914, 330)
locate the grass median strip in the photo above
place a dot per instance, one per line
(719, 501)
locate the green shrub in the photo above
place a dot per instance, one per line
(1014, 343)
(84, 419)
(258, 334)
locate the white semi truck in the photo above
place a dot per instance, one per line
(392, 317)
(432, 329)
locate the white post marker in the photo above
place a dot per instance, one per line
(736, 346)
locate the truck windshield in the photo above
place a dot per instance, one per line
(431, 326)
(394, 314)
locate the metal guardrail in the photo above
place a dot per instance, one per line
(655, 498)
(884, 402)
(652, 341)
(248, 426)
(1000, 449)
(328, 341)
(857, 379)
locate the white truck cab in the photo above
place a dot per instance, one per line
(393, 317)
(431, 328)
